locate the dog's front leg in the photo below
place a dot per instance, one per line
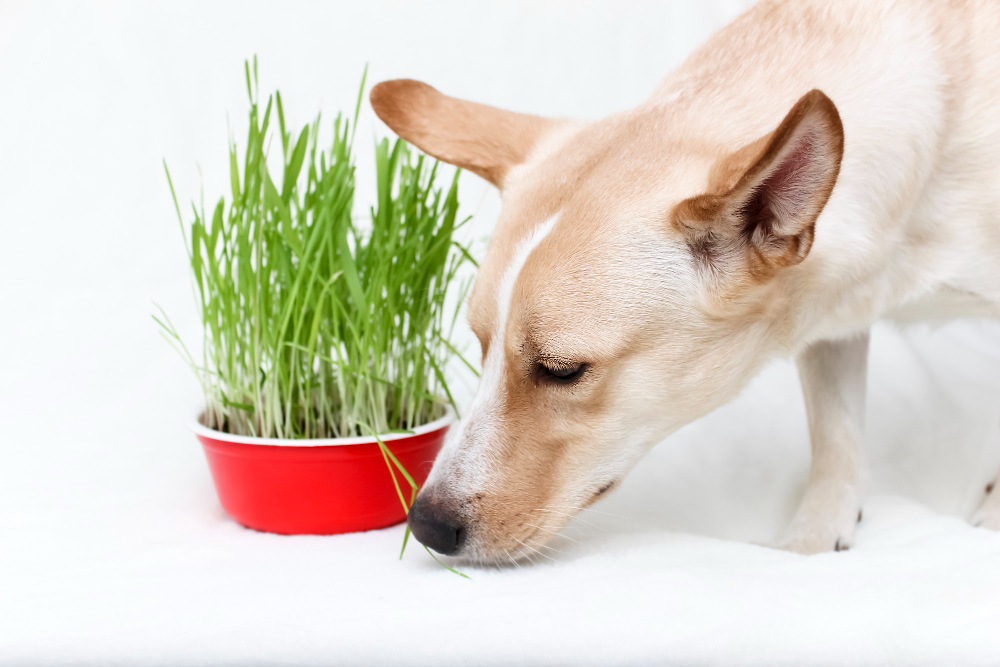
(833, 381)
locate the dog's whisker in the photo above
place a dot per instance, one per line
(545, 509)
(532, 550)
(574, 517)
(536, 545)
(516, 564)
(589, 509)
(551, 532)
(546, 546)
(528, 550)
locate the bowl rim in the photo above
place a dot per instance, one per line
(200, 429)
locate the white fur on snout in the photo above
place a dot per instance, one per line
(464, 464)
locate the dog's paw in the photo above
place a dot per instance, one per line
(825, 521)
(988, 514)
(816, 540)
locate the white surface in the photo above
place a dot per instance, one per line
(113, 549)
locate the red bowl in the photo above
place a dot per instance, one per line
(317, 487)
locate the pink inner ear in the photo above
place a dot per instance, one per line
(784, 198)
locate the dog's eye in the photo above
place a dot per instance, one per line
(561, 372)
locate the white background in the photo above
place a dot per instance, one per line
(113, 548)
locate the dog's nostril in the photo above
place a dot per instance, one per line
(436, 527)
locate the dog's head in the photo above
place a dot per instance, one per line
(634, 281)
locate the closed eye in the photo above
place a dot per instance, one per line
(559, 372)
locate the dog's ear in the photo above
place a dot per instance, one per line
(768, 195)
(483, 139)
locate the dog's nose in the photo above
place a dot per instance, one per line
(435, 526)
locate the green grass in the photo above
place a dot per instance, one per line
(318, 325)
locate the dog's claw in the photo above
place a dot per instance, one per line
(839, 547)
(859, 516)
(988, 514)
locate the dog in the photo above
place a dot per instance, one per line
(813, 167)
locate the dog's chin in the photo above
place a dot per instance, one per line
(491, 559)
(501, 557)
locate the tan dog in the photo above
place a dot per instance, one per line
(812, 168)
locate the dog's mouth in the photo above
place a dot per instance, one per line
(601, 492)
(541, 527)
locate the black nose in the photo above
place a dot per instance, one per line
(436, 526)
